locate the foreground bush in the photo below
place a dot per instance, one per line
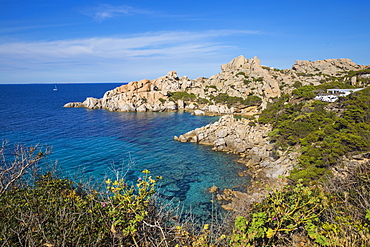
(56, 212)
(293, 211)
(53, 211)
(336, 213)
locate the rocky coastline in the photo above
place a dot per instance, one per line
(243, 88)
(266, 166)
(239, 79)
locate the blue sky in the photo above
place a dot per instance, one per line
(53, 41)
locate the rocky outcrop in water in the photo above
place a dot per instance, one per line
(140, 96)
(248, 139)
(239, 80)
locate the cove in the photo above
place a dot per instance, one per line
(88, 142)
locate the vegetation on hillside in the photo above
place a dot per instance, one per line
(251, 100)
(223, 98)
(323, 131)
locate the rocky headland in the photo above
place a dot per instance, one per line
(240, 79)
(243, 88)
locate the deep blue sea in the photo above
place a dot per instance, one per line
(87, 143)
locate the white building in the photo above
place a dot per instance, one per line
(333, 94)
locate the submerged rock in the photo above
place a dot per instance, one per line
(213, 189)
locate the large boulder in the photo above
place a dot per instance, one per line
(142, 108)
(126, 107)
(234, 64)
(171, 106)
(92, 103)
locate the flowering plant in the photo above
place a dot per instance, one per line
(128, 206)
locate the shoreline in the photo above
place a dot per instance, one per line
(255, 153)
(243, 88)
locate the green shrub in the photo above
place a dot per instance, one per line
(174, 96)
(297, 84)
(240, 73)
(128, 206)
(246, 82)
(58, 212)
(251, 100)
(211, 86)
(203, 101)
(53, 212)
(259, 79)
(305, 92)
(293, 210)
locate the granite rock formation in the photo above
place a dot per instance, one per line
(240, 78)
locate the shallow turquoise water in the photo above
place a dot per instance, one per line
(89, 142)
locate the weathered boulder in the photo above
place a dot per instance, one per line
(236, 63)
(92, 103)
(170, 105)
(198, 113)
(142, 108)
(191, 106)
(126, 107)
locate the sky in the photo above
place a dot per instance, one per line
(66, 41)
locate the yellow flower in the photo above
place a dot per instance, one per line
(146, 171)
(108, 181)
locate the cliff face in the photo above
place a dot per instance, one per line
(239, 79)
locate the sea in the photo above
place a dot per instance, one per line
(93, 145)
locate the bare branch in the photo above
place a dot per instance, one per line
(12, 170)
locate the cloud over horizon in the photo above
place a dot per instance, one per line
(151, 49)
(115, 40)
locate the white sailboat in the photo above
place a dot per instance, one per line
(55, 88)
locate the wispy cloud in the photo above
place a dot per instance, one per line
(150, 50)
(137, 45)
(105, 11)
(16, 29)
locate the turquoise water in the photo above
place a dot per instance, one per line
(89, 142)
